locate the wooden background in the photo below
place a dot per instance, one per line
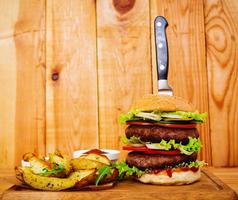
(68, 68)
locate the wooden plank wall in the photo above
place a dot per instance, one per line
(122, 27)
(69, 68)
(222, 63)
(22, 79)
(71, 78)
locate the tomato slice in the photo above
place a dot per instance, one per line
(151, 151)
(178, 125)
(139, 123)
(192, 125)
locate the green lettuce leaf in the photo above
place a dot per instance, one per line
(131, 115)
(194, 145)
(102, 173)
(126, 171)
(131, 140)
(192, 164)
(198, 117)
(161, 116)
(163, 145)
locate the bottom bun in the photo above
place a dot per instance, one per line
(178, 178)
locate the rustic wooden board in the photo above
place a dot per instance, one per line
(222, 62)
(187, 63)
(210, 187)
(228, 176)
(71, 86)
(124, 69)
(22, 80)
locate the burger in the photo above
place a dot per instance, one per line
(162, 140)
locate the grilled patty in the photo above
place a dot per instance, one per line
(145, 161)
(156, 133)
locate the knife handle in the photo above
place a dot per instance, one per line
(162, 61)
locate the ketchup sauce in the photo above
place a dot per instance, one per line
(95, 151)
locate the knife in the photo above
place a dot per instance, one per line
(162, 61)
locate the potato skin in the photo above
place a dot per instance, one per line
(83, 163)
(98, 158)
(85, 181)
(61, 160)
(53, 183)
(39, 165)
(19, 174)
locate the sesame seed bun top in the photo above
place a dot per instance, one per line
(162, 103)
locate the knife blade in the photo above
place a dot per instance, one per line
(162, 61)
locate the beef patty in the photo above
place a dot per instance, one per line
(156, 133)
(145, 161)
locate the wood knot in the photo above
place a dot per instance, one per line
(55, 76)
(123, 6)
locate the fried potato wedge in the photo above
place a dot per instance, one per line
(95, 157)
(109, 178)
(83, 163)
(85, 181)
(53, 183)
(38, 165)
(45, 168)
(61, 160)
(19, 174)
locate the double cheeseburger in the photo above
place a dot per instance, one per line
(162, 140)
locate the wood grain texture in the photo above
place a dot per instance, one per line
(22, 80)
(69, 68)
(187, 61)
(72, 117)
(228, 175)
(208, 188)
(124, 71)
(222, 62)
(7, 75)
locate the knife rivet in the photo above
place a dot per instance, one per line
(162, 67)
(159, 24)
(160, 45)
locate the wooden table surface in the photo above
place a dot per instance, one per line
(227, 175)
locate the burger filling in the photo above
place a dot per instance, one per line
(163, 116)
(126, 171)
(193, 145)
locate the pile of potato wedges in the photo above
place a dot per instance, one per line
(59, 172)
